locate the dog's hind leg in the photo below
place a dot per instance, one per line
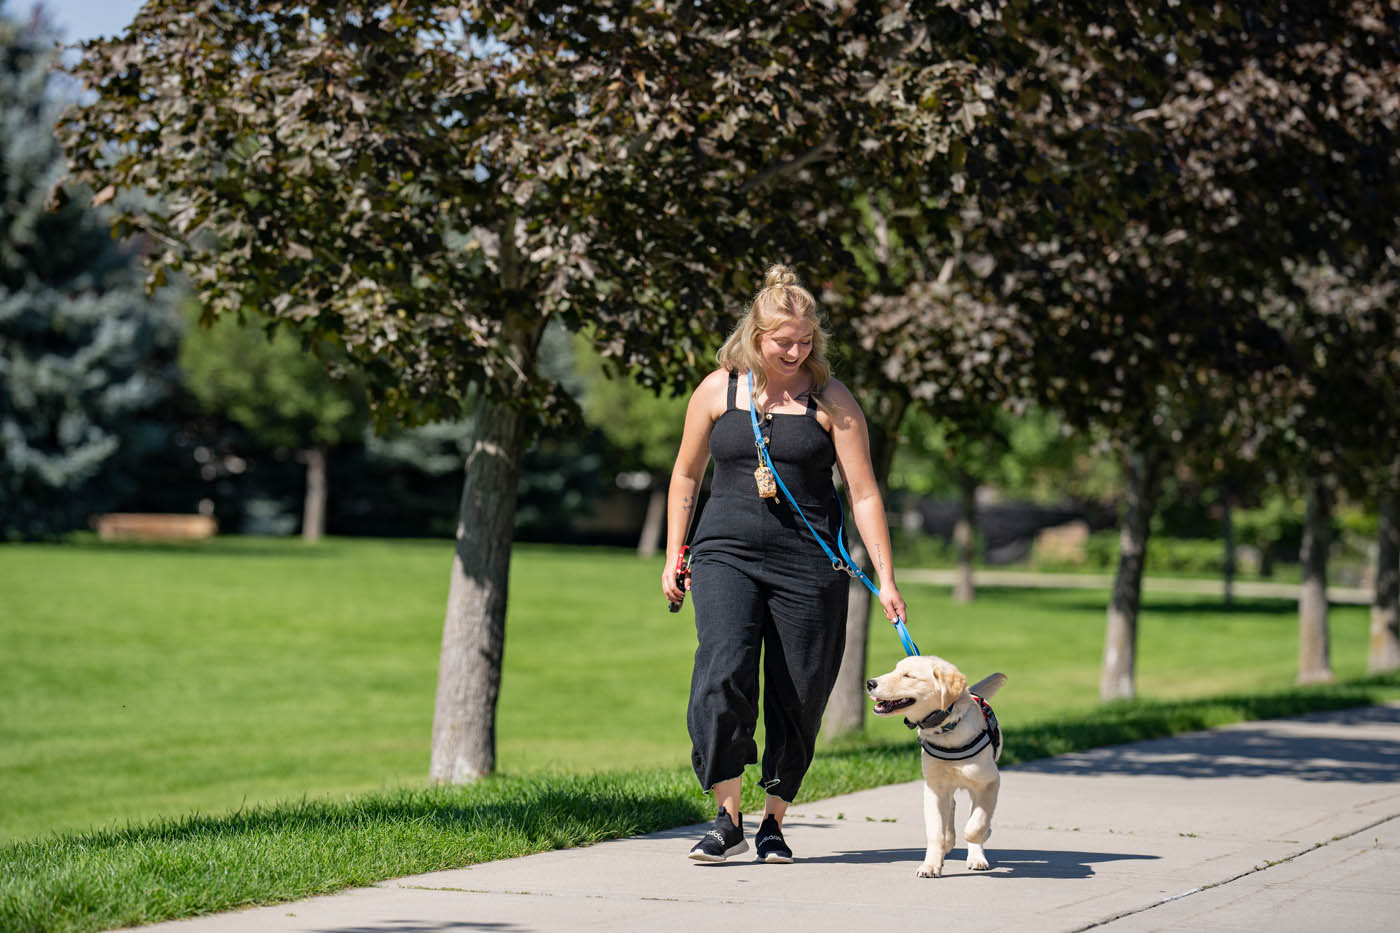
(938, 829)
(979, 823)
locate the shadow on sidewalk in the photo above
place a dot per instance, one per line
(1262, 749)
(1005, 862)
(411, 926)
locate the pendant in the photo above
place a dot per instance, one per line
(767, 488)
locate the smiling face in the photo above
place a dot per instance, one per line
(785, 348)
(916, 687)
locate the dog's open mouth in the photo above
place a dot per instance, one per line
(886, 707)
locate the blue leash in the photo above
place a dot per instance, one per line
(844, 564)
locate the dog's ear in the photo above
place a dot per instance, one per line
(951, 681)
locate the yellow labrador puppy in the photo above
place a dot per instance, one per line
(961, 743)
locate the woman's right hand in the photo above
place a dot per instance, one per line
(669, 587)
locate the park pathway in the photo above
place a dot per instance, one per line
(1270, 826)
(1349, 595)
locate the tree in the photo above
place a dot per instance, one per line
(428, 184)
(1383, 654)
(84, 354)
(1166, 188)
(1341, 322)
(281, 392)
(648, 426)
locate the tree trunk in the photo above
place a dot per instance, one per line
(1266, 559)
(1227, 533)
(474, 629)
(1314, 653)
(845, 710)
(313, 509)
(965, 538)
(655, 522)
(1143, 472)
(1384, 653)
(473, 633)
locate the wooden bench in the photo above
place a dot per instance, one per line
(154, 526)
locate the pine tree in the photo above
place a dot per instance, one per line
(84, 353)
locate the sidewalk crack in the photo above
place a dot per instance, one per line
(1244, 874)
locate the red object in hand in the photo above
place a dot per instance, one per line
(682, 571)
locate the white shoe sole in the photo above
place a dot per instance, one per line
(698, 855)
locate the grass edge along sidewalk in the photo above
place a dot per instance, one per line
(195, 865)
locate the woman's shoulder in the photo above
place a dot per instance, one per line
(840, 404)
(713, 392)
(718, 377)
(835, 394)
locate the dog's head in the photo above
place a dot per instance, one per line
(916, 687)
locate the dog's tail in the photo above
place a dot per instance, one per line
(987, 687)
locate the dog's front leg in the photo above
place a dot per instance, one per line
(938, 829)
(979, 824)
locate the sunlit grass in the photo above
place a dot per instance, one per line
(177, 868)
(155, 682)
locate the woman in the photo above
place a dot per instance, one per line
(760, 581)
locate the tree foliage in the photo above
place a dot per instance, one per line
(84, 354)
(429, 183)
(270, 384)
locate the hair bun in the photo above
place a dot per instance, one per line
(779, 274)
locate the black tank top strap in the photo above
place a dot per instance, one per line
(811, 404)
(733, 389)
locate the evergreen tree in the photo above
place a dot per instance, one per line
(83, 351)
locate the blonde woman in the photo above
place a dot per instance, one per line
(761, 585)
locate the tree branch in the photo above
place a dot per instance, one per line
(792, 165)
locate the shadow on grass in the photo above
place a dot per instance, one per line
(265, 855)
(538, 815)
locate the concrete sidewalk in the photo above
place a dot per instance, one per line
(1271, 826)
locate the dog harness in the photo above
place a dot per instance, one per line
(989, 736)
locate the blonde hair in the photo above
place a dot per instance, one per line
(781, 299)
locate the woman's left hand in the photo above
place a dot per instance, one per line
(893, 603)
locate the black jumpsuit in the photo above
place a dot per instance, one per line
(759, 578)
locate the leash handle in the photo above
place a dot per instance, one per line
(682, 571)
(843, 563)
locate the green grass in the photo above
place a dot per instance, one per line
(186, 729)
(179, 868)
(145, 682)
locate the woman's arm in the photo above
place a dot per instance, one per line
(852, 440)
(686, 476)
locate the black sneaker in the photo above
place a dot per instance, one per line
(770, 843)
(723, 840)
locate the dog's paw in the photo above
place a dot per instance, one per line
(978, 863)
(929, 870)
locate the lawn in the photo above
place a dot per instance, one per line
(143, 682)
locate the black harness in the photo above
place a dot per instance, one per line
(989, 736)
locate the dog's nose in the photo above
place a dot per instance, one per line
(870, 685)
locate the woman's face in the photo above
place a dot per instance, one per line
(786, 348)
